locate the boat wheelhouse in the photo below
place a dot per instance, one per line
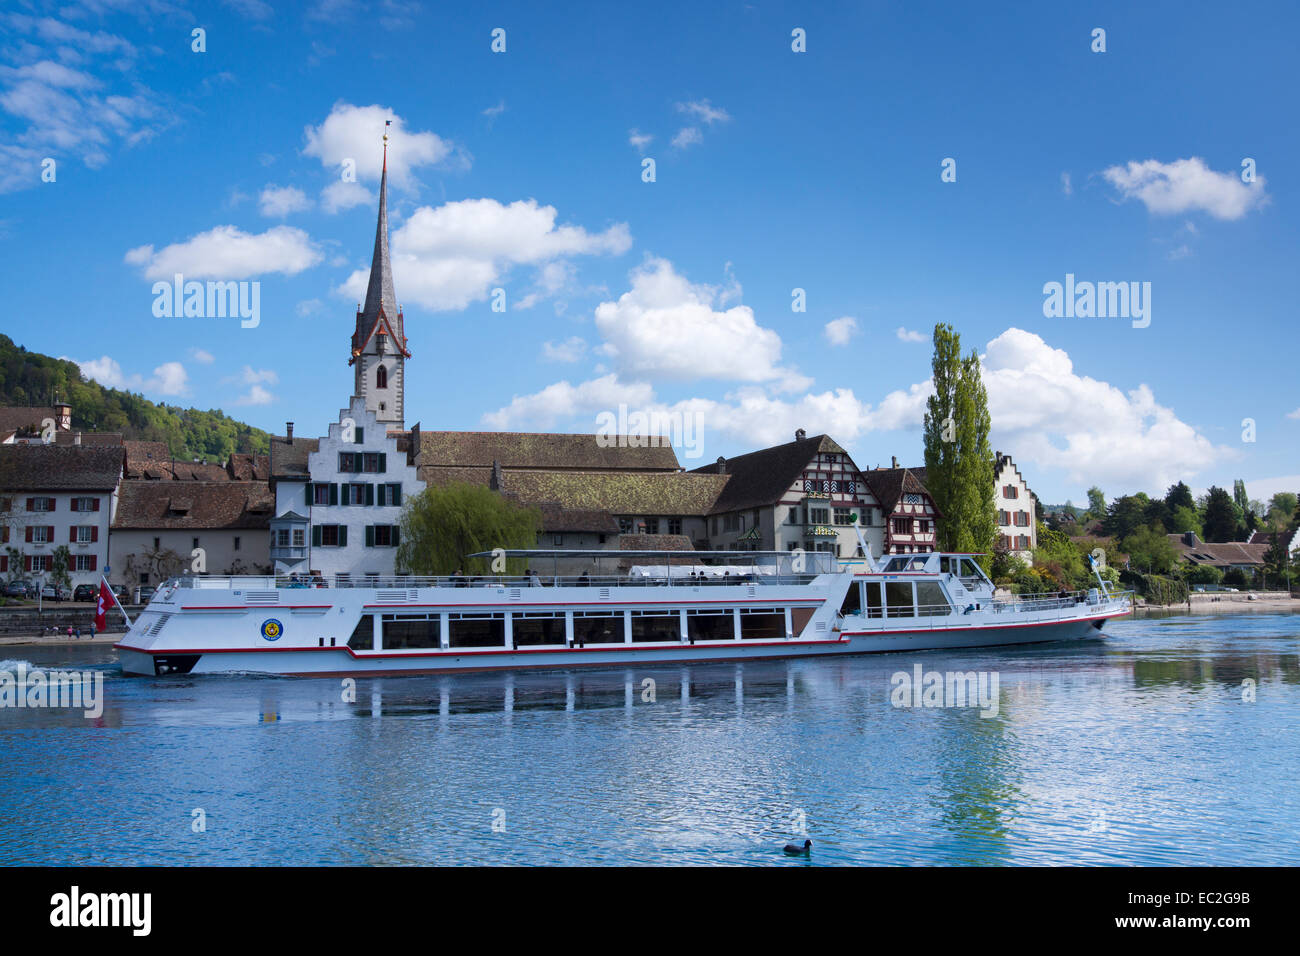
(594, 608)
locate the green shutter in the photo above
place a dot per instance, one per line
(310, 496)
(370, 536)
(343, 536)
(370, 494)
(334, 494)
(394, 494)
(361, 435)
(383, 462)
(315, 535)
(396, 529)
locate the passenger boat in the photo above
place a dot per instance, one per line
(625, 607)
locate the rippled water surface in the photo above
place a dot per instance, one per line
(1135, 749)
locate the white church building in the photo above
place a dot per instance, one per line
(339, 498)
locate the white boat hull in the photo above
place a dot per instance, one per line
(343, 661)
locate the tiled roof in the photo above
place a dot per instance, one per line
(762, 477)
(60, 467)
(289, 456)
(1219, 555)
(554, 452)
(617, 493)
(87, 438)
(559, 520)
(654, 542)
(890, 484)
(17, 417)
(243, 467)
(144, 504)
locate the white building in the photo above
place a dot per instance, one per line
(57, 496)
(1016, 506)
(339, 499)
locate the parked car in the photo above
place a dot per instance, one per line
(144, 593)
(121, 593)
(85, 592)
(55, 592)
(20, 589)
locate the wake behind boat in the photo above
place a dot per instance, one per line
(623, 607)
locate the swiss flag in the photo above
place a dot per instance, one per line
(102, 606)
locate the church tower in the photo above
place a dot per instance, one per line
(379, 350)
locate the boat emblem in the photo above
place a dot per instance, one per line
(272, 629)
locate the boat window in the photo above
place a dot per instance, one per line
(712, 625)
(363, 635)
(852, 599)
(873, 598)
(415, 630)
(930, 599)
(598, 629)
(969, 568)
(898, 597)
(656, 626)
(916, 564)
(477, 630)
(531, 629)
(762, 625)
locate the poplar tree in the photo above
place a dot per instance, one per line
(958, 459)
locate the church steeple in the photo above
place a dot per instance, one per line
(379, 343)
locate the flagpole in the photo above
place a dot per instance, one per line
(104, 579)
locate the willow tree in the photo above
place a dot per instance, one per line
(958, 460)
(441, 525)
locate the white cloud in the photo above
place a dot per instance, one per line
(669, 327)
(1066, 186)
(492, 112)
(225, 252)
(1051, 417)
(703, 111)
(257, 395)
(202, 356)
(904, 335)
(355, 133)
(169, 378)
(639, 140)
(688, 136)
(340, 195)
(570, 350)
(839, 331)
(65, 113)
(308, 307)
(281, 201)
(251, 376)
(1186, 185)
(1089, 429)
(449, 256)
(562, 401)
(1295, 414)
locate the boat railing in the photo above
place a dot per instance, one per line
(394, 582)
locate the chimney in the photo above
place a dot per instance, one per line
(800, 434)
(1189, 538)
(76, 439)
(722, 465)
(894, 459)
(288, 431)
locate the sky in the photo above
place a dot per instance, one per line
(805, 219)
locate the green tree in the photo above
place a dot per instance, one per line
(1179, 496)
(1096, 504)
(59, 562)
(1183, 520)
(1149, 550)
(1125, 515)
(1220, 521)
(1281, 511)
(441, 525)
(958, 458)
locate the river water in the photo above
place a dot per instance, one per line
(1170, 741)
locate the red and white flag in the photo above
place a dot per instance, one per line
(106, 600)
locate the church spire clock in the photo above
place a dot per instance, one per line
(379, 350)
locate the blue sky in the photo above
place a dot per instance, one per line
(774, 170)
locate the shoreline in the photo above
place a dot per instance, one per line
(1226, 604)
